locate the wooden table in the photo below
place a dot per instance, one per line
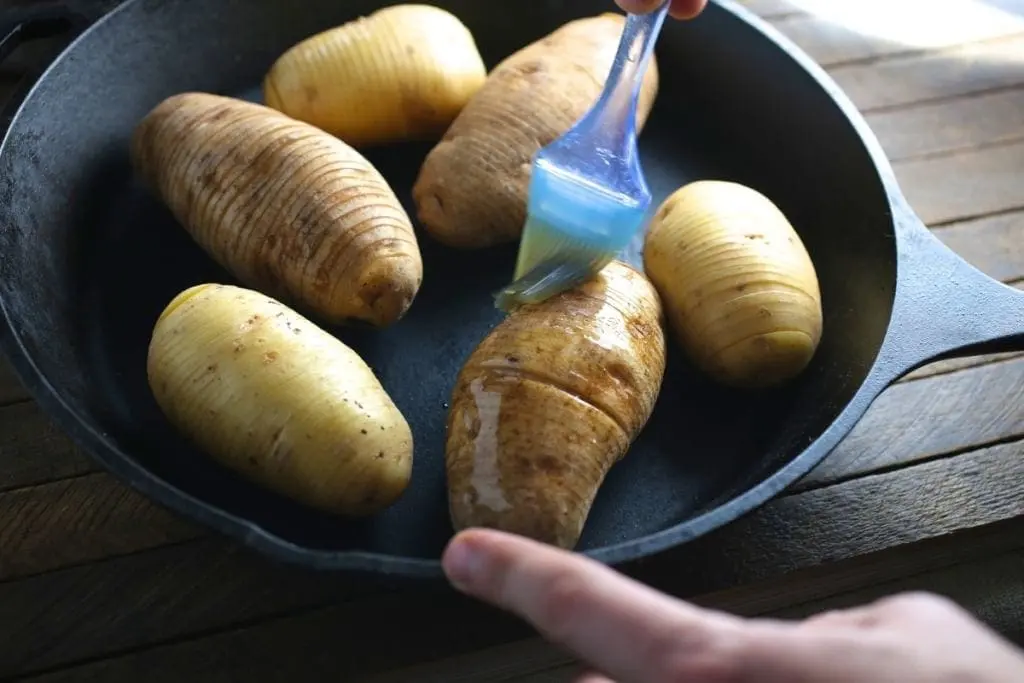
(96, 583)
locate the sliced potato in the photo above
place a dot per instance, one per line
(549, 401)
(270, 395)
(472, 188)
(740, 291)
(283, 206)
(402, 73)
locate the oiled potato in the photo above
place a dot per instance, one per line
(270, 395)
(283, 206)
(402, 73)
(740, 291)
(472, 188)
(549, 401)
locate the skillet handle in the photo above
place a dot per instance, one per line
(944, 307)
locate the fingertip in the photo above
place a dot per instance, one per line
(473, 556)
(687, 9)
(462, 559)
(638, 6)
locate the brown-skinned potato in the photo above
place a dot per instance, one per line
(549, 401)
(472, 188)
(283, 206)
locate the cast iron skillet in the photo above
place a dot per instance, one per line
(88, 259)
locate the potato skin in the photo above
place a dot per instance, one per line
(283, 206)
(402, 73)
(549, 401)
(740, 291)
(472, 188)
(270, 395)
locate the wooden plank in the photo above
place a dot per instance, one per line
(854, 518)
(992, 244)
(34, 451)
(971, 184)
(821, 582)
(951, 125)
(808, 530)
(944, 367)
(835, 39)
(78, 520)
(934, 75)
(178, 590)
(169, 594)
(990, 587)
(930, 418)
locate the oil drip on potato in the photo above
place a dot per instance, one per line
(270, 395)
(283, 206)
(549, 401)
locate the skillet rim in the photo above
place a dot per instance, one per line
(126, 468)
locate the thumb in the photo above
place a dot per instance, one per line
(620, 627)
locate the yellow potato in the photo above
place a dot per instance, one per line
(283, 206)
(549, 402)
(270, 395)
(740, 291)
(472, 188)
(402, 73)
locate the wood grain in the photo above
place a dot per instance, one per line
(34, 451)
(962, 186)
(993, 244)
(79, 520)
(805, 531)
(170, 594)
(934, 75)
(953, 125)
(832, 43)
(928, 418)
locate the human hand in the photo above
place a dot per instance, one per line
(681, 9)
(633, 634)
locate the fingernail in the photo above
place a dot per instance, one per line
(462, 563)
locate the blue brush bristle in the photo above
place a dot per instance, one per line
(581, 211)
(588, 197)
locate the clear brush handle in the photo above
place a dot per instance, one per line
(611, 123)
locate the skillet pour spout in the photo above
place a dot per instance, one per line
(89, 258)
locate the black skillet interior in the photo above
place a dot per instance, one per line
(89, 259)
